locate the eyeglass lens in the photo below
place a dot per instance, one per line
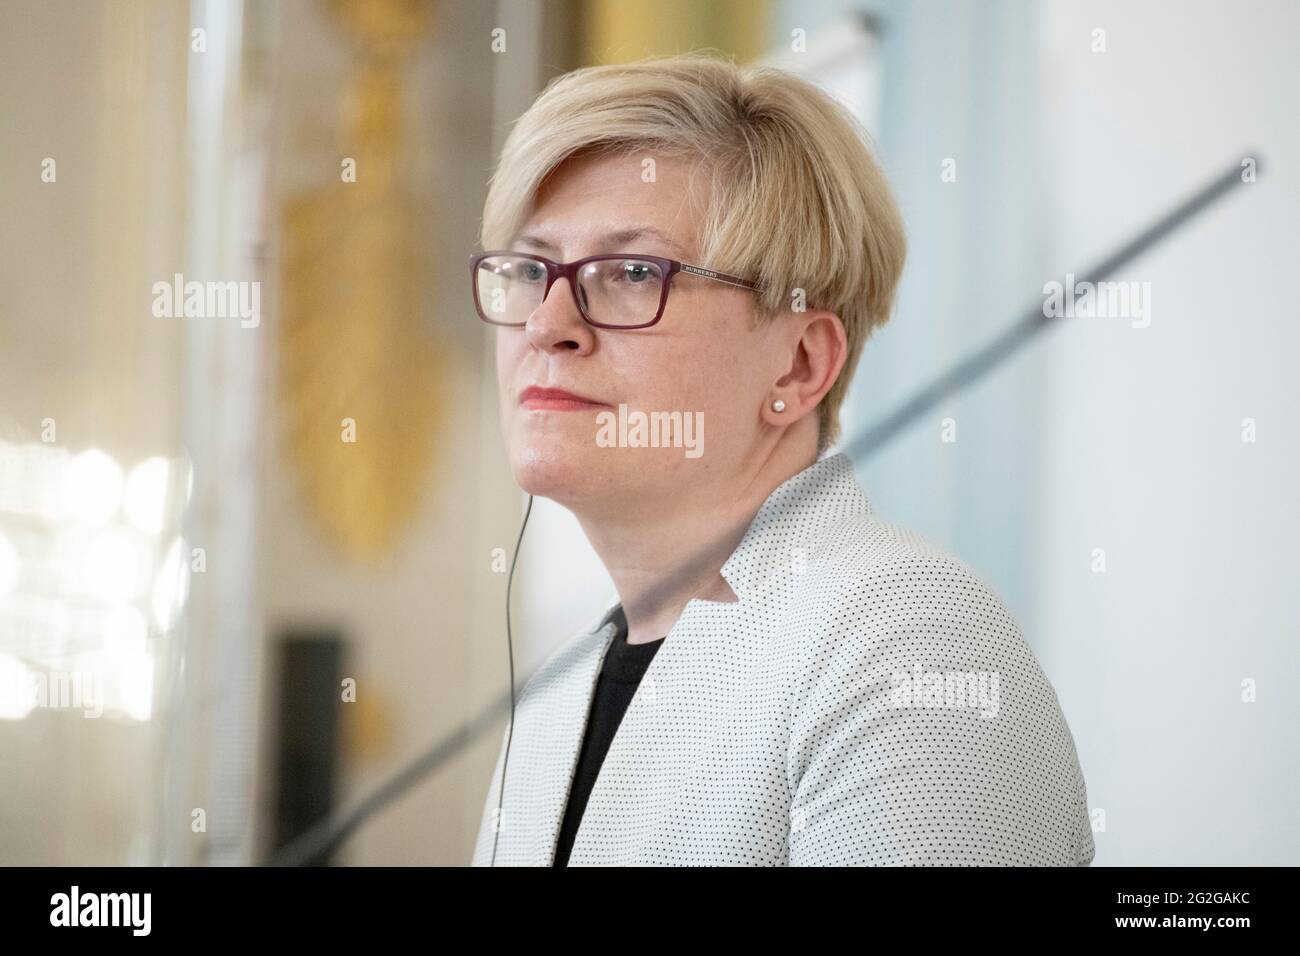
(618, 291)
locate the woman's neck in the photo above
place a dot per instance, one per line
(663, 554)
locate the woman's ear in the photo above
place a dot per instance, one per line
(817, 355)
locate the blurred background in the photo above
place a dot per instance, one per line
(253, 552)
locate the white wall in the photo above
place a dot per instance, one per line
(1143, 455)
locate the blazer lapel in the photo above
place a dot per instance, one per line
(560, 729)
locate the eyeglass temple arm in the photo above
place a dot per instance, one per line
(719, 276)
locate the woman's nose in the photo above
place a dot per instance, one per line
(556, 324)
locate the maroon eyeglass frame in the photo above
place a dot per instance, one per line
(569, 270)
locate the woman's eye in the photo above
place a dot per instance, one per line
(636, 272)
(532, 272)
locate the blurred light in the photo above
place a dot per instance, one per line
(188, 468)
(145, 498)
(111, 566)
(17, 689)
(92, 487)
(135, 684)
(171, 586)
(125, 633)
(31, 479)
(9, 566)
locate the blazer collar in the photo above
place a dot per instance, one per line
(782, 532)
(781, 536)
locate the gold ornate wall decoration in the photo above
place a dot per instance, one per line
(618, 31)
(357, 340)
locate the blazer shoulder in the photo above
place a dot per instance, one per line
(913, 666)
(865, 543)
(880, 586)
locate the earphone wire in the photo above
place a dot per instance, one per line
(510, 653)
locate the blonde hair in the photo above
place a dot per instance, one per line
(798, 201)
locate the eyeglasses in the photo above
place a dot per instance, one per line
(615, 291)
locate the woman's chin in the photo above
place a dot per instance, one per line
(560, 471)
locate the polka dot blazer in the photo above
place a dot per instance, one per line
(866, 701)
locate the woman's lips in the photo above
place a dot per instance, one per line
(555, 400)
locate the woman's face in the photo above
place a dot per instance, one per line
(704, 360)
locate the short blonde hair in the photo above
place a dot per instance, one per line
(798, 201)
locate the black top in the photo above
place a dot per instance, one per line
(620, 674)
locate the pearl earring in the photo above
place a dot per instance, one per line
(778, 406)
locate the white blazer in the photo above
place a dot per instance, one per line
(867, 700)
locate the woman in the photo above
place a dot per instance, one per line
(792, 679)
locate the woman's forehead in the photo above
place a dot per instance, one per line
(545, 237)
(596, 199)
